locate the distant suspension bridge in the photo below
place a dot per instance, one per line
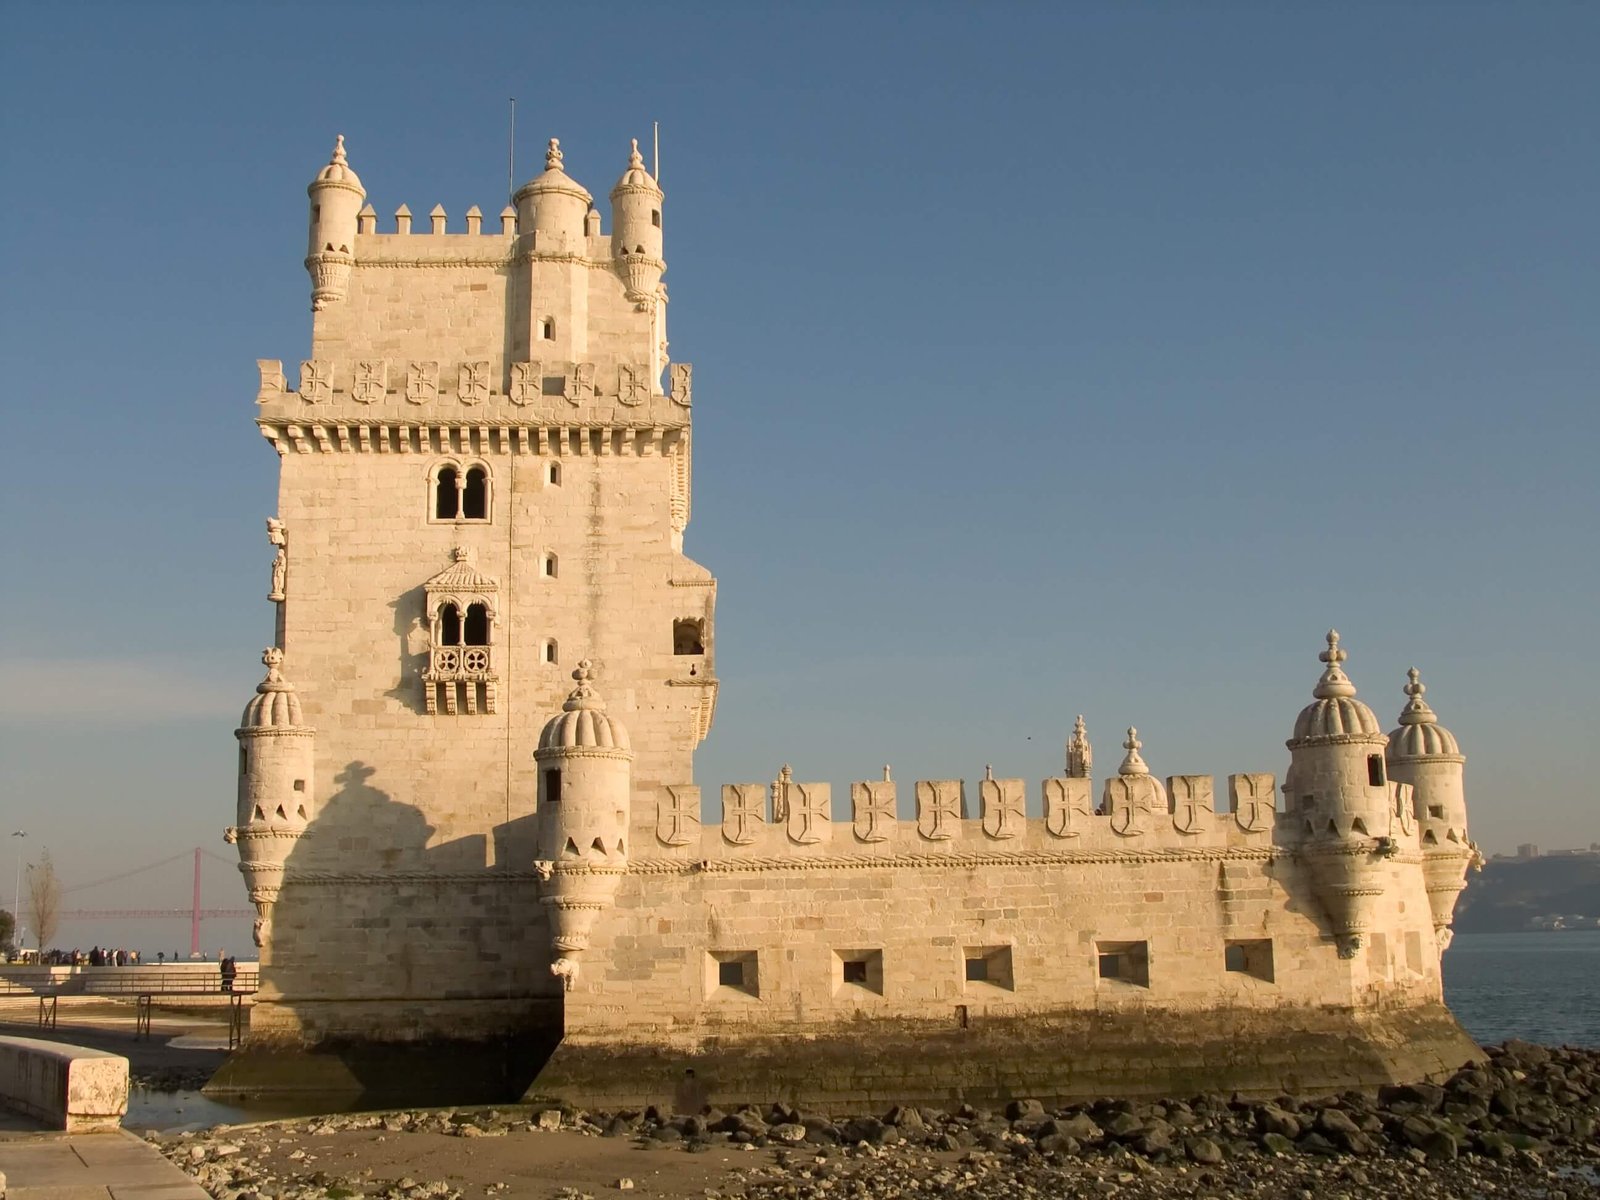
(195, 913)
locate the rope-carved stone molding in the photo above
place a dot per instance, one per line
(867, 862)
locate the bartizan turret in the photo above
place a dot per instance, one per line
(1338, 795)
(1424, 754)
(585, 786)
(553, 208)
(336, 198)
(277, 764)
(636, 246)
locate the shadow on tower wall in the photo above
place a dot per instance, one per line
(400, 972)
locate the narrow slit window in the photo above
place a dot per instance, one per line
(549, 329)
(553, 474)
(655, 217)
(552, 786)
(550, 652)
(550, 566)
(1375, 770)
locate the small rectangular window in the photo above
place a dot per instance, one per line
(989, 967)
(299, 785)
(1375, 770)
(1124, 962)
(731, 971)
(1436, 811)
(552, 786)
(977, 970)
(1252, 957)
(856, 971)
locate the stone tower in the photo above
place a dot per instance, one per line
(484, 478)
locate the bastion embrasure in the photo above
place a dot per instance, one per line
(484, 490)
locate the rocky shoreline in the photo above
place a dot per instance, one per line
(1521, 1124)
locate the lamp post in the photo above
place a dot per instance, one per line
(16, 893)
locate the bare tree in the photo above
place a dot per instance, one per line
(44, 898)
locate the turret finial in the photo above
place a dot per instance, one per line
(1334, 681)
(583, 696)
(1132, 764)
(635, 159)
(553, 156)
(1080, 755)
(272, 659)
(1416, 711)
(338, 158)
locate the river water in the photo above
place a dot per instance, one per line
(1541, 987)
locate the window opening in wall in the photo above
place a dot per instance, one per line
(572, 848)
(450, 625)
(732, 970)
(244, 760)
(1124, 962)
(550, 652)
(688, 636)
(475, 495)
(989, 966)
(1252, 957)
(282, 816)
(552, 785)
(476, 632)
(552, 474)
(549, 566)
(1375, 770)
(261, 813)
(858, 969)
(1359, 826)
(549, 330)
(1307, 803)
(1436, 811)
(299, 785)
(447, 495)
(655, 217)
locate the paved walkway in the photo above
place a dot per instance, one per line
(89, 1166)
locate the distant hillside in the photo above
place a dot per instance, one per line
(1513, 893)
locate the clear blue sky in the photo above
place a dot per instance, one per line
(1049, 359)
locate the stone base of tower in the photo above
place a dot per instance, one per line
(1058, 1058)
(411, 1053)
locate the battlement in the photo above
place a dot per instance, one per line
(418, 393)
(1132, 815)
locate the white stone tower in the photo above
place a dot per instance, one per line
(336, 198)
(1424, 754)
(1338, 793)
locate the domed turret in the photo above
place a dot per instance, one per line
(553, 207)
(336, 198)
(1425, 754)
(585, 788)
(277, 764)
(1339, 798)
(636, 245)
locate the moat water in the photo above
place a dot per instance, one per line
(1541, 987)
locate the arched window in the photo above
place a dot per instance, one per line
(550, 650)
(550, 566)
(549, 329)
(450, 625)
(552, 474)
(476, 631)
(688, 636)
(475, 495)
(447, 498)
(459, 492)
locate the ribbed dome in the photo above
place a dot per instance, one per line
(555, 177)
(583, 721)
(275, 705)
(636, 178)
(338, 169)
(1420, 735)
(1336, 713)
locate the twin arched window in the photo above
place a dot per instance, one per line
(460, 492)
(473, 630)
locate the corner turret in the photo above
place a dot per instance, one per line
(585, 789)
(1424, 754)
(553, 207)
(1337, 791)
(336, 198)
(277, 777)
(636, 245)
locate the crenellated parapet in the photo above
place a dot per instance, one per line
(793, 823)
